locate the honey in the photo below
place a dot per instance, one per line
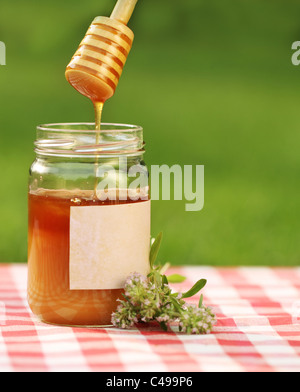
(49, 294)
(97, 65)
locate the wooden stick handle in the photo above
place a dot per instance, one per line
(123, 10)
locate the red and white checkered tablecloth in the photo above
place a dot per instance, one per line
(258, 329)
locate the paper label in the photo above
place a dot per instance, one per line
(108, 243)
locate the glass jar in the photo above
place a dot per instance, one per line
(89, 221)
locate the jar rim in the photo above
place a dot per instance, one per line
(81, 139)
(63, 127)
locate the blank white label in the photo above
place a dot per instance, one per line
(107, 244)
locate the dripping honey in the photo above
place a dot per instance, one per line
(97, 65)
(98, 107)
(96, 90)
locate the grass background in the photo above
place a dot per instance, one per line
(211, 82)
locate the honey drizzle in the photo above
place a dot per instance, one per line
(98, 106)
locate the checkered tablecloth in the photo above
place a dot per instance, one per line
(258, 329)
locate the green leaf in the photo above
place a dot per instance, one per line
(165, 280)
(127, 298)
(176, 304)
(176, 278)
(165, 268)
(201, 301)
(195, 289)
(155, 249)
(157, 278)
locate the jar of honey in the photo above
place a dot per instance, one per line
(89, 221)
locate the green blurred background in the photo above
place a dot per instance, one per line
(212, 83)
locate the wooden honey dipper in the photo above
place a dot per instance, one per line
(96, 67)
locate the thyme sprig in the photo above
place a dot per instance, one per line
(150, 298)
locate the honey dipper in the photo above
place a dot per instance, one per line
(96, 67)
